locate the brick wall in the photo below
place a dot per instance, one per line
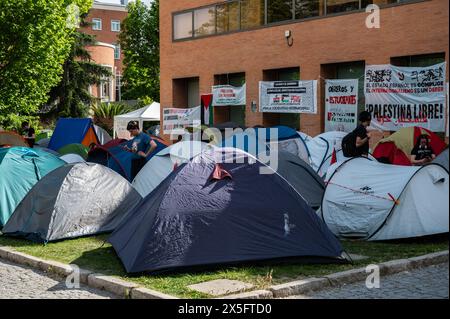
(409, 29)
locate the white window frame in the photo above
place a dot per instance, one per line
(94, 24)
(117, 50)
(113, 22)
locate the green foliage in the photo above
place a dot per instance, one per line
(34, 43)
(71, 96)
(104, 114)
(13, 122)
(144, 101)
(139, 41)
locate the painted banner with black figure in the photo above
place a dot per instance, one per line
(399, 97)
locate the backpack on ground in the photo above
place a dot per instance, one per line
(349, 144)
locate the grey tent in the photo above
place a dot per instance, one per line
(74, 200)
(221, 209)
(442, 159)
(102, 134)
(299, 174)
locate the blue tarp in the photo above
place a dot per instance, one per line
(120, 160)
(69, 131)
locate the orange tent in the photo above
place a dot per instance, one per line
(8, 138)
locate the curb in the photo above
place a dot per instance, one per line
(119, 287)
(256, 294)
(129, 290)
(354, 275)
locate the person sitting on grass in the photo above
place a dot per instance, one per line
(422, 153)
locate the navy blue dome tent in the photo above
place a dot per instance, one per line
(219, 210)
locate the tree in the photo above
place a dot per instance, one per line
(34, 43)
(71, 96)
(139, 41)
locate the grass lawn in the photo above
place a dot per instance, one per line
(93, 254)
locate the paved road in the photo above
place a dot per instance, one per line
(19, 282)
(425, 283)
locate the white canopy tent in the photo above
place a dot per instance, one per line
(149, 113)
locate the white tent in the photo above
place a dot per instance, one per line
(72, 158)
(442, 159)
(374, 201)
(149, 113)
(162, 164)
(321, 147)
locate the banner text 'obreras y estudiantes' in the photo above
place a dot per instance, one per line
(341, 105)
(406, 96)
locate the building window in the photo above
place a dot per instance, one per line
(336, 6)
(288, 119)
(182, 26)
(227, 17)
(115, 25)
(416, 61)
(117, 51)
(365, 3)
(118, 87)
(105, 89)
(186, 92)
(240, 15)
(279, 10)
(96, 24)
(354, 70)
(205, 21)
(252, 13)
(308, 8)
(233, 113)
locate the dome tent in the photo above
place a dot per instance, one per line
(78, 149)
(217, 210)
(163, 163)
(247, 141)
(300, 175)
(20, 169)
(321, 148)
(73, 131)
(396, 148)
(374, 201)
(72, 201)
(288, 140)
(72, 158)
(442, 159)
(102, 134)
(11, 139)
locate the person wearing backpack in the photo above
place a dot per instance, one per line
(362, 136)
(356, 143)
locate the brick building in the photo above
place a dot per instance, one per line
(208, 42)
(106, 20)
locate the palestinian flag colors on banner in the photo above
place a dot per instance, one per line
(207, 109)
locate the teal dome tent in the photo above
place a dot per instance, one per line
(20, 169)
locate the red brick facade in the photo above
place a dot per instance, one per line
(103, 53)
(418, 27)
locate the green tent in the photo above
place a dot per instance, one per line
(78, 149)
(20, 169)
